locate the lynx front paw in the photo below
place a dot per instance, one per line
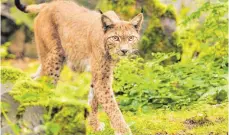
(101, 127)
(125, 131)
(97, 126)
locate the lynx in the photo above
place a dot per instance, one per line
(67, 32)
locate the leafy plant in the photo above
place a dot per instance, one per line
(204, 32)
(143, 84)
(68, 117)
(4, 51)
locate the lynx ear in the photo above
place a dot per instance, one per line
(137, 21)
(106, 22)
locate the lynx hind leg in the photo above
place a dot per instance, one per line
(53, 65)
(93, 116)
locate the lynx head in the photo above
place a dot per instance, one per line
(121, 37)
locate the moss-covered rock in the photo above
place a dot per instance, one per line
(160, 34)
(9, 74)
(38, 105)
(125, 8)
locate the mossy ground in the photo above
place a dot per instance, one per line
(194, 120)
(198, 119)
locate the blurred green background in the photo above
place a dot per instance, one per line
(178, 85)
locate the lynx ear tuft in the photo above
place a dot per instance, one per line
(100, 11)
(137, 21)
(142, 10)
(106, 22)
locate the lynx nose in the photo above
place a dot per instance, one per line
(124, 51)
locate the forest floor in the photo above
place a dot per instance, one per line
(198, 119)
(193, 120)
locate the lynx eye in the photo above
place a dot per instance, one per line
(131, 38)
(115, 38)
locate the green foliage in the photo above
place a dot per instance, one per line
(68, 119)
(207, 37)
(22, 18)
(4, 51)
(11, 75)
(125, 9)
(144, 85)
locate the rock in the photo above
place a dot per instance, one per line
(32, 115)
